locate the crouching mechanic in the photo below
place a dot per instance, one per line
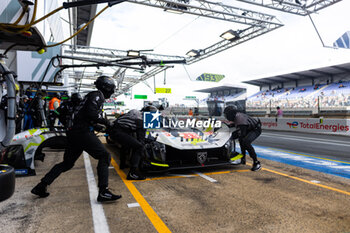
(81, 138)
(248, 129)
(123, 129)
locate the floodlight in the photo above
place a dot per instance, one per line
(193, 53)
(176, 8)
(230, 35)
(133, 53)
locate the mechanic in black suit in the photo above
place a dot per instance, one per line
(81, 137)
(247, 130)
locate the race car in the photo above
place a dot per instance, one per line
(182, 148)
(27, 146)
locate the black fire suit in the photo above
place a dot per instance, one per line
(123, 129)
(248, 129)
(81, 138)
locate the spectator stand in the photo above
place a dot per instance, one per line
(317, 92)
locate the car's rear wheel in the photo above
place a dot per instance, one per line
(7, 182)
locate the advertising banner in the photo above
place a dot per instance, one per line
(308, 125)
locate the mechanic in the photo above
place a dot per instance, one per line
(123, 129)
(54, 103)
(35, 109)
(81, 137)
(247, 130)
(66, 109)
(21, 112)
(27, 118)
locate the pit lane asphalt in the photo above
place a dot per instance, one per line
(279, 198)
(328, 146)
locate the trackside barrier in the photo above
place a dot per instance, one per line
(308, 125)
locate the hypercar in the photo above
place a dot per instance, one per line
(181, 148)
(27, 146)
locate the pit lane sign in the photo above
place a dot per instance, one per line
(206, 77)
(163, 90)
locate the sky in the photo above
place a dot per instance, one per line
(293, 47)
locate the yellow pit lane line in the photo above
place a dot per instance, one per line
(150, 213)
(305, 181)
(309, 182)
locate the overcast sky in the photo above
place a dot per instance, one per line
(293, 47)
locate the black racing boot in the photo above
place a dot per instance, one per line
(256, 166)
(40, 190)
(106, 196)
(135, 175)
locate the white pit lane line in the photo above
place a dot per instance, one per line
(132, 205)
(206, 177)
(98, 214)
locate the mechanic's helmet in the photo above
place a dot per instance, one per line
(105, 85)
(76, 98)
(25, 97)
(57, 95)
(149, 108)
(230, 112)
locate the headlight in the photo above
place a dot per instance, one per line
(228, 149)
(159, 151)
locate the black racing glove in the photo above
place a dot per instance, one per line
(100, 127)
(236, 134)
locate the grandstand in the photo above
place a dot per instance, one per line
(317, 92)
(224, 95)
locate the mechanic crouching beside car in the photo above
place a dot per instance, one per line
(81, 137)
(129, 132)
(247, 130)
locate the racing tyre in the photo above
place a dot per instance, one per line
(7, 182)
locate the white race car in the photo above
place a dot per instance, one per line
(181, 148)
(27, 146)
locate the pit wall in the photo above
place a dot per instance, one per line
(308, 125)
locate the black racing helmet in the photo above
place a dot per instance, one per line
(149, 108)
(106, 85)
(230, 112)
(76, 98)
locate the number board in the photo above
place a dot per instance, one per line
(210, 77)
(163, 90)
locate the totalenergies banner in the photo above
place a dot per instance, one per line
(308, 125)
